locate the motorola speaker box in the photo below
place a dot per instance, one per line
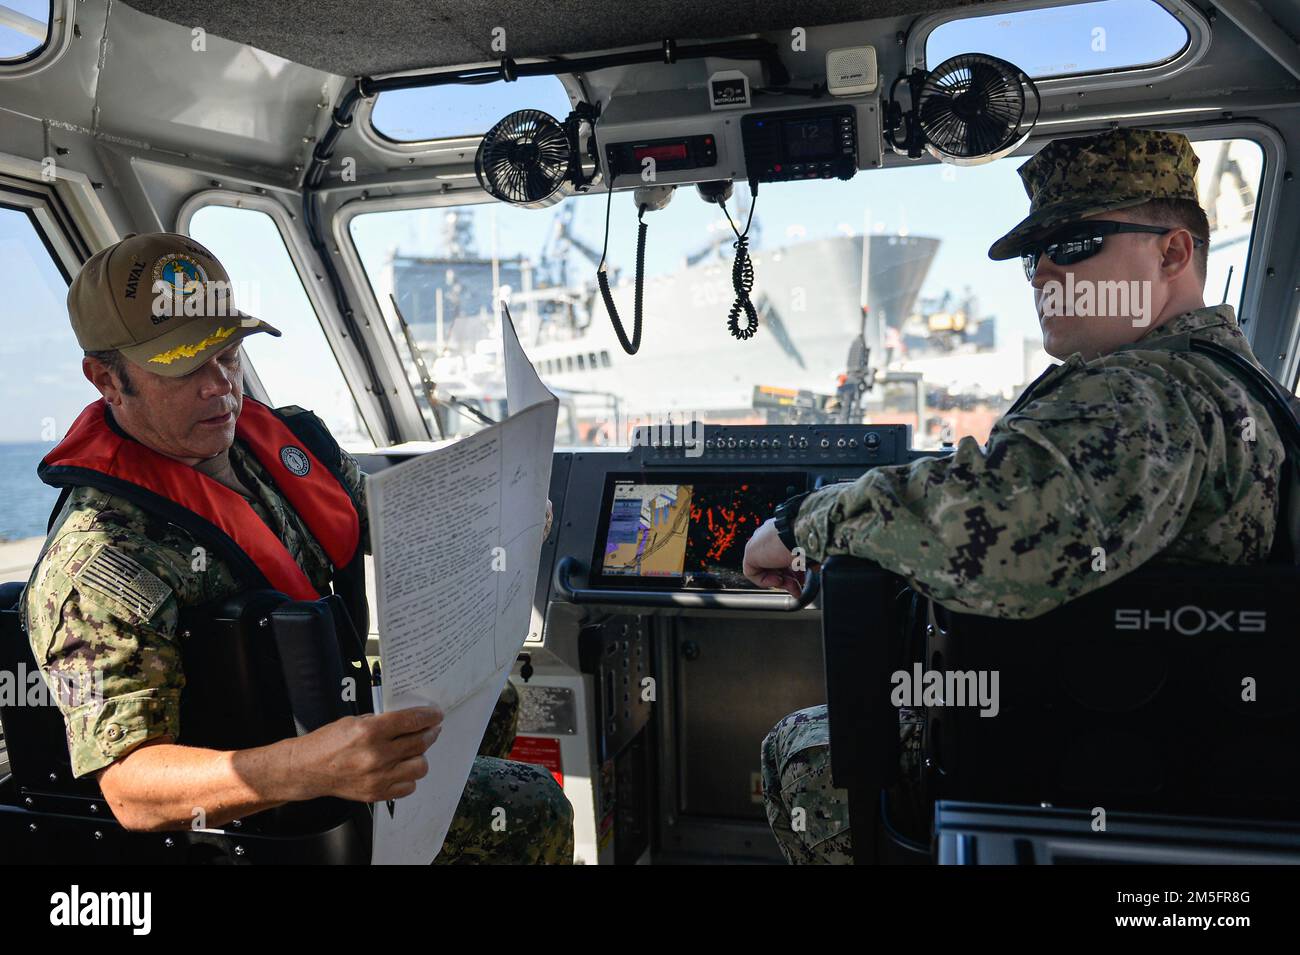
(728, 89)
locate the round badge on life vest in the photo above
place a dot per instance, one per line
(296, 460)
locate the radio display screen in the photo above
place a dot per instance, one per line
(810, 140)
(684, 531)
(661, 152)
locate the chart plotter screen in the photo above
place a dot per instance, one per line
(688, 532)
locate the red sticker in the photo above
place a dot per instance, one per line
(543, 751)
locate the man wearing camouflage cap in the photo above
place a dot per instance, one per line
(173, 458)
(1133, 444)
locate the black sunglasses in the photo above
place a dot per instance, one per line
(1083, 240)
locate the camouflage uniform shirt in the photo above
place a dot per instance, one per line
(105, 598)
(1109, 463)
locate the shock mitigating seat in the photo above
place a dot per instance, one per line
(259, 668)
(1163, 698)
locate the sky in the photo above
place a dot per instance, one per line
(14, 43)
(1103, 35)
(41, 386)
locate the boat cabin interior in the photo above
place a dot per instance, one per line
(744, 246)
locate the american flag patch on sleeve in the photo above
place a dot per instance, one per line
(113, 575)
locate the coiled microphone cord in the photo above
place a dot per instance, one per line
(742, 280)
(602, 279)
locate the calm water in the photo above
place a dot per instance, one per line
(25, 502)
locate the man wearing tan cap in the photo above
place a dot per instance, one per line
(1137, 446)
(178, 491)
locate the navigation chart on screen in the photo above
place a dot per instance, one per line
(647, 530)
(692, 532)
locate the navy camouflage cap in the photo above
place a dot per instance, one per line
(1069, 179)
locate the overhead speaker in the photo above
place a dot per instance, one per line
(851, 71)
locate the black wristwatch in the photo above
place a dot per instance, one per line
(783, 518)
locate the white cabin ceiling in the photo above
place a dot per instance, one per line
(350, 38)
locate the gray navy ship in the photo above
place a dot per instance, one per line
(816, 300)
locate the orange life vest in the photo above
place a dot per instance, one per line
(96, 453)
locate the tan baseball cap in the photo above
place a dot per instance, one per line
(162, 300)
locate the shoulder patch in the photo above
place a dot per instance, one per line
(114, 576)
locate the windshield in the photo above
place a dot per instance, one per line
(876, 297)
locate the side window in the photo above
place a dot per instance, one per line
(449, 112)
(1066, 39)
(299, 368)
(41, 386)
(1229, 178)
(24, 28)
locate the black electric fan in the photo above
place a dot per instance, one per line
(531, 159)
(970, 109)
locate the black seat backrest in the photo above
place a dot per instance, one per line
(1170, 690)
(35, 738)
(864, 609)
(259, 668)
(1135, 697)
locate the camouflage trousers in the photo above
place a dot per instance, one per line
(810, 817)
(538, 818)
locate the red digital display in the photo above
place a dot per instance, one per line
(660, 153)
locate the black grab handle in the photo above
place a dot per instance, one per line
(567, 567)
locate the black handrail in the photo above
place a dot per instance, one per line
(567, 567)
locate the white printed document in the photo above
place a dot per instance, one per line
(457, 535)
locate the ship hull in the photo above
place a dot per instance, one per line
(810, 299)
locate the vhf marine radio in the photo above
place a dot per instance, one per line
(669, 155)
(817, 143)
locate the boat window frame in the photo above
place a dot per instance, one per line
(354, 273)
(349, 365)
(50, 217)
(364, 122)
(58, 37)
(1295, 331)
(1193, 21)
(47, 209)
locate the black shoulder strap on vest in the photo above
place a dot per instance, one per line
(64, 494)
(349, 582)
(1284, 408)
(311, 431)
(69, 488)
(1284, 411)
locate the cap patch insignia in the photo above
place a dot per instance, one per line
(181, 272)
